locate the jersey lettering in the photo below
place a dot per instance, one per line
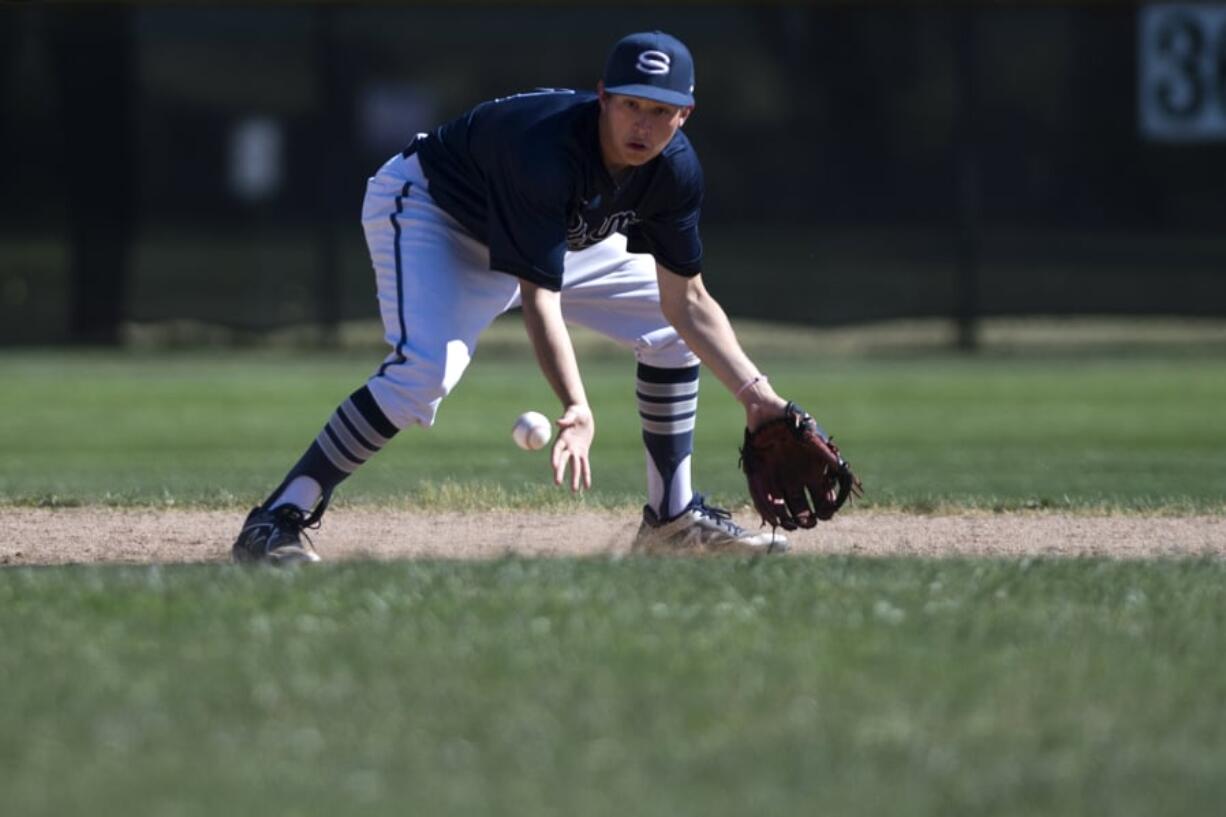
(580, 235)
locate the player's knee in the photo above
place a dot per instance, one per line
(407, 401)
(665, 349)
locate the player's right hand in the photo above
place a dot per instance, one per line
(576, 427)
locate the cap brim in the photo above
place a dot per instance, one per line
(657, 94)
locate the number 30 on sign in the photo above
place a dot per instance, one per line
(1181, 88)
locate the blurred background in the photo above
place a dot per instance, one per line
(200, 168)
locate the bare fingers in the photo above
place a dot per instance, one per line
(564, 457)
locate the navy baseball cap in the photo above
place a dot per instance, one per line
(653, 65)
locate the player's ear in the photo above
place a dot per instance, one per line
(601, 93)
(685, 113)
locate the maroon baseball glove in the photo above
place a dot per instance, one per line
(796, 474)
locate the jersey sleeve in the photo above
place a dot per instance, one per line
(527, 217)
(670, 232)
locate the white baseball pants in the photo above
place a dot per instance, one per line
(437, 294)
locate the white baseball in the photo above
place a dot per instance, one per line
(532, 430)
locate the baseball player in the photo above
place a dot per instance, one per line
(576, 207)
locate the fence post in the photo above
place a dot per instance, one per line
(93, 49)
(968, 170)
(332, 123)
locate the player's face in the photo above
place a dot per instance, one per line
(634, 130)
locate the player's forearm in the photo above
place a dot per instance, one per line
(555, 353)
(705, 327)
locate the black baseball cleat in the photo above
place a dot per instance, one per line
(274, 537)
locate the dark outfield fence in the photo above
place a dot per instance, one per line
(863, 162)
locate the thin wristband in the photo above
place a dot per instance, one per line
(750, 383)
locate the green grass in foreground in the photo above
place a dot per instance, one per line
(222, 429)
(646, 687)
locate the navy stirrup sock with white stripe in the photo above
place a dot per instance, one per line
(668, 403)
(355, 432)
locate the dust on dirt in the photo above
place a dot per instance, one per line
(41, 536)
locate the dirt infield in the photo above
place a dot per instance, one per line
(36, 536)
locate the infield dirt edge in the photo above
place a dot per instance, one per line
(99, 535)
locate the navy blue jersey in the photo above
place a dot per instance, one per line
(524, 175)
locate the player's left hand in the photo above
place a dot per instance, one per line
(576, 427)
(795, 471)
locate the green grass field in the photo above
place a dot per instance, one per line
(998, 431)
(649, 687)
(633, 686)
